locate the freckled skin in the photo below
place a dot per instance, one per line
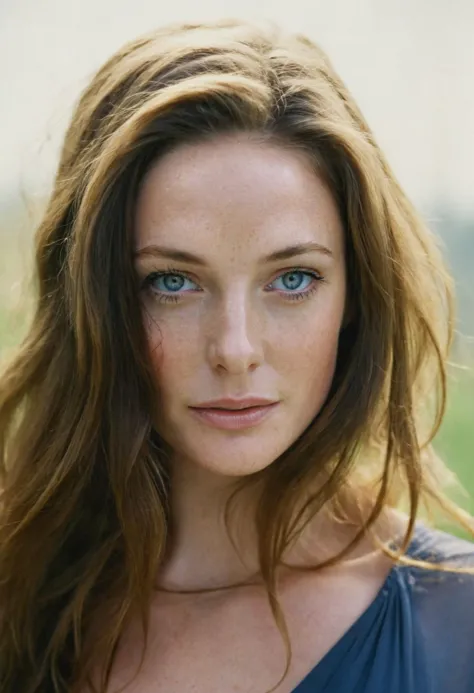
(234, 330)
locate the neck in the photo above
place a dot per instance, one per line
(201, 554)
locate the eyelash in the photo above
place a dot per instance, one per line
(170, 298)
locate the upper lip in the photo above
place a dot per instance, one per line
(233, 403)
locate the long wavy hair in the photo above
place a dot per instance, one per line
(84, 515)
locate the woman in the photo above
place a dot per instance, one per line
(221, 405)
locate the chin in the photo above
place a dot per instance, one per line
(236, 458)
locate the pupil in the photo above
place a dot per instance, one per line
(173, 282)
(294, 277)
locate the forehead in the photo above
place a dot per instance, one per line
(236, 189)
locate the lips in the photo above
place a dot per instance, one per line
(234, 419)
(233, 403)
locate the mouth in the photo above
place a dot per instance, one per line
(234, 419)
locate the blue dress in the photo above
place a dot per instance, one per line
(417, 636)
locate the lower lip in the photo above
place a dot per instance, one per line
(233, 420)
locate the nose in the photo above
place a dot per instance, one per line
(235, 337)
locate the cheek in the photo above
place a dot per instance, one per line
(172, 352)
(316, 355)
(309, 358)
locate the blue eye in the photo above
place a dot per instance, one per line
(298, 284)
(165, 284)
(169, 282)
(295, 280)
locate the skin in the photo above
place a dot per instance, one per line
(235, 329)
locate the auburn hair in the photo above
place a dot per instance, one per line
(84, 513)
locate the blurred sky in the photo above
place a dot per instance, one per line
(410, 65)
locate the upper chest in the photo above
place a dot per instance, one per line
(231, 642)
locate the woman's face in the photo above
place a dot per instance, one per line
(240, 256)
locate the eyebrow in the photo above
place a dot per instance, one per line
(185, 256)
